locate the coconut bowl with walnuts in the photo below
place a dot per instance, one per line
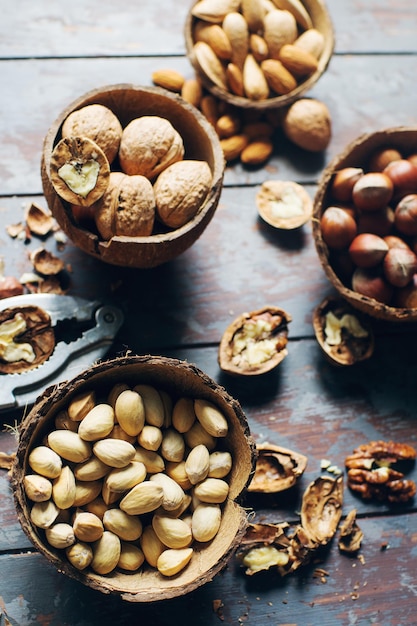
(365, 223)
(128, 478)
(132, 174)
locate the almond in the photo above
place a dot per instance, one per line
(214, 10)
(311, 41)
(197, 464)
(298, 10)
(114, 452)
(278, 77)
(212, 490)
(151, 545)
(126, 527)
(69, 445)
(205, 522)
(280, 28)
(173, 493)
(87, 526)
(254, 82)
(168, 79)
(235, 79)
(45, 462)
(106, 553)
(192, 92)
(154, 407)
(131, 557)
(258, 47)
(79, 555)
(129, 410)
(227, 125)
(63, 489)
(298, 62)
(253, 11)
(257, 151)
(183, 416)
(143, 498)
(236, 29)
(211, 418)
(173, 532)
(210, 64)
(60, 535)
(171, 562)
(122, 479)
(215, 37)
(97, 424)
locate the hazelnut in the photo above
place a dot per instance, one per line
(338, 228)
(405, 215)
(343, 183)
(367, 250)
(127, 208)
(403, 174)
(399, 266)
(97, 122)
(148, 145)
(307, 123)
(376, 222)
(370, 283)
(79, 170)
(372, 192)
(180, 191)
(393, 241)
(382, 157)
(406, 297)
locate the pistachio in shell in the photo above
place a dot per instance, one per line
(284, 204)
(344, 334)
(255, 343)
(321, 508)
(27, 338)
(79, 170)
(277, 469)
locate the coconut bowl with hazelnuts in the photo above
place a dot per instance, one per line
(132, 174)
(365, 223)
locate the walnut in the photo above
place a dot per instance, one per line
(180, 191)
(277, 469)
(97, 122)
(26, 338)
(127, 207)
(370, 473)
(148, 145)
(79, 170)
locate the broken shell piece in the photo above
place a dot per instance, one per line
(39, 220)
(284, 204)
(350, 537)
(344, 334)
(79, 170)
(265, 546)
(46, 263)
(322, 508)
(276, 469)
(255, 342)
(26, 338)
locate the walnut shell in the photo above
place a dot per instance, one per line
(38, 333)
(127, 208)
(284, 204)
(255, 342)
(180, 191)
(149, 144)
(79, 170)
(322, 508)
(277, 469)
(350, 343)
(97, 122)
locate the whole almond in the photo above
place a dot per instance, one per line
(97, 424)
(254, 130)
(80, 405)
(280, 27)
(129, 410)
(174, 533)
(205, 522)
(297, 61)
(210, 64)
(106, 553)
(212, 490)
(122, 479)
(69, 445)
(45, 462)
(237, 31)
(220, 464)
(278, 77)
(151, 545)
(197, 434)
(37, 488)
(254, 82)
(44, 514)
(312, 41)
(214, 10)
(227, 125)
(168, 79)
(253, 11)
(173, 493)
(258, 47)
(197, 464)
(126, 527)
(63, 489)
(234, 77)
(172, 446)
(87, 526)
(210, 108)
(298, 10)
(211, 418)
(131, 557)
(177, 472)
(60, 535)
(151, 460)
(192, 91)
(154, 406)
(171, 562)
(183, 416)
(142, 498)
(86, 491)
(92, 469)
(215, 37)
(257, 151)
(114, 452)
(150, 437)
(79, 555)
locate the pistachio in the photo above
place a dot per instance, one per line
(88, 527)
(37, 488)
(60, 535)
(79, 555)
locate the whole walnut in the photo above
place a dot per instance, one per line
(307, 123)
(180, 191)
(97, 122)
(127, 207)
(148, 145)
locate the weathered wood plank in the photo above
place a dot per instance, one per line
(43, 29)
(362, 93)
(381, 590)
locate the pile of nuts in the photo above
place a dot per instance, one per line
(126, 181)
(370, 227)
(255, 50)
(130, 480)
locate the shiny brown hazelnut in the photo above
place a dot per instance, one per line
(376, 222)
(406, 297)
(399, 266)
(405, 215)
(372, 192)
(393, 241)
(382, 157)
(413, 158)
(343, 183)
(370, 283)
(338, 228)
(403, 174)
(368, 250)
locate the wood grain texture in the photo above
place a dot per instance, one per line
(49, 57)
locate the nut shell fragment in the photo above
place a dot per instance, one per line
(277, 469)
(350, 537)
(255, 342)
(284, 204)
(322, 508)
(344, 334)
(79, 170)
(36, 332)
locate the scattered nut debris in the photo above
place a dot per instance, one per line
(45, 262)
(7, 460)
(218, 608)
(370, 473)
(39, 219)
(351, 536)
(277, 469)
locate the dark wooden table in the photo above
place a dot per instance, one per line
(50, 53)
